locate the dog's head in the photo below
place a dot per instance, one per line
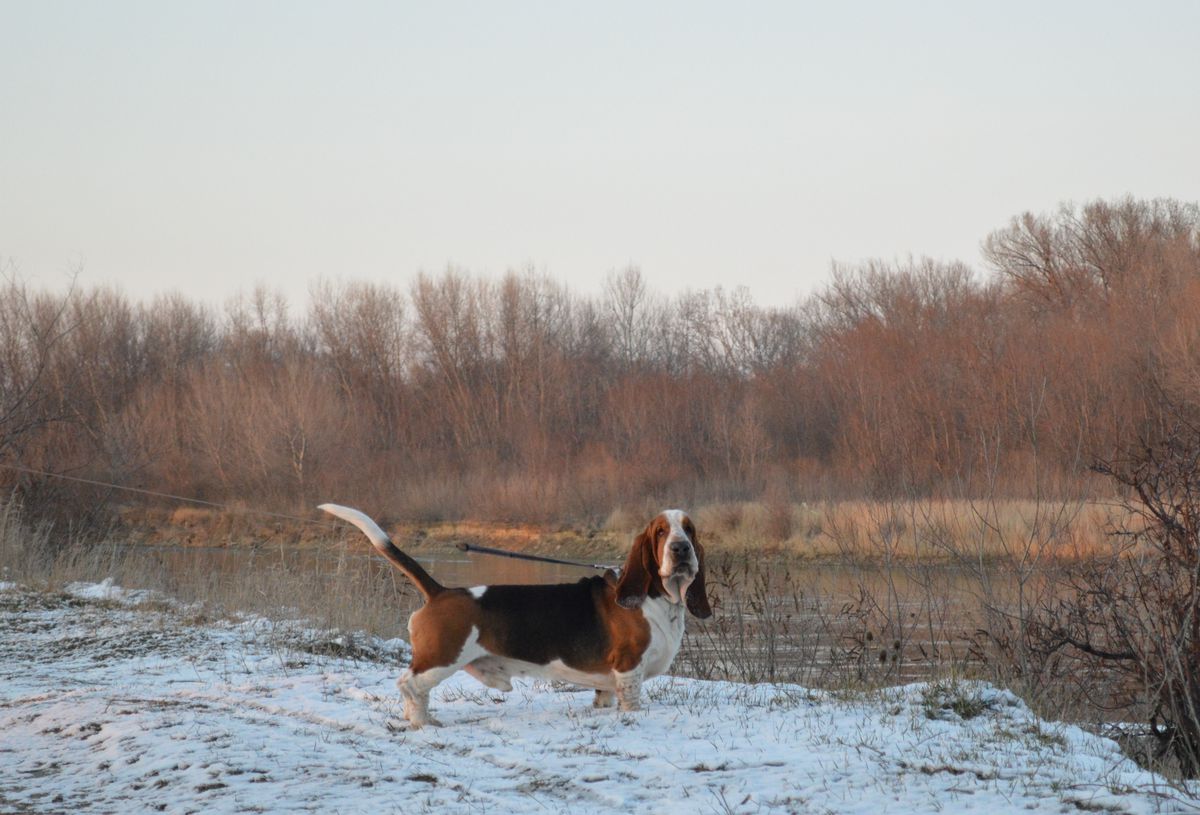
(666, 560)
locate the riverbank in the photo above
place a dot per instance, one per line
(118, 701)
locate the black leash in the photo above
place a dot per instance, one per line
(487, 550)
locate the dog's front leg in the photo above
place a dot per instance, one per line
(629, 689)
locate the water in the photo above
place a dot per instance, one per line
(776, 618)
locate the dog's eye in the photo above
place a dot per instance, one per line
(660, 532)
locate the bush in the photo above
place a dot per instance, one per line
(1135, 614)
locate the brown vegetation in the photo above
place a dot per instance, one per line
(518, 400)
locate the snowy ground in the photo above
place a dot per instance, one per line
(109, 706)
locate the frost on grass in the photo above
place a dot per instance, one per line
(112, 703)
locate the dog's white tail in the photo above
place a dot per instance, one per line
(379, 539)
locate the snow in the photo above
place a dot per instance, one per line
(105, 590)
(108, 703)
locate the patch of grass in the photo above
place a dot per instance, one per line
(336, 644)
(953, 698)
(1044, 737)
(1085, 805)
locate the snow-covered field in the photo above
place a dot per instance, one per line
(111, 706)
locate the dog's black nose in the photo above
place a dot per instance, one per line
(679, 547)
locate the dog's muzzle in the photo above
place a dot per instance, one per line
(679, 568)
(680, 559)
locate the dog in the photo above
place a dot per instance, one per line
(606, 633)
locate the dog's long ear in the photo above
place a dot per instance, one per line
(636, 575)
(697, 594)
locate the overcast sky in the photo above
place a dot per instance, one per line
(210, 146)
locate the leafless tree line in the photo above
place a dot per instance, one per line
(519, 399)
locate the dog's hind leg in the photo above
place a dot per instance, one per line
(422, 676)
(490, 671)
(415, 688)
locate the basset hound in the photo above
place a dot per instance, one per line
(602, 632)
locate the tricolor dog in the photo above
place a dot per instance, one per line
(602, 632)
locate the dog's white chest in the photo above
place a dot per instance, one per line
(666, 621)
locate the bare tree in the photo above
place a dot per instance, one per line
(32, 328)
(627, 302)
(1136, 613)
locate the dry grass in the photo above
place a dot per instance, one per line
(918, 529)
(921, 528)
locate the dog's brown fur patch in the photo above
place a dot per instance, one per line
(440, 628)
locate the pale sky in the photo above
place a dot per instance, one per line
(207, 147)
